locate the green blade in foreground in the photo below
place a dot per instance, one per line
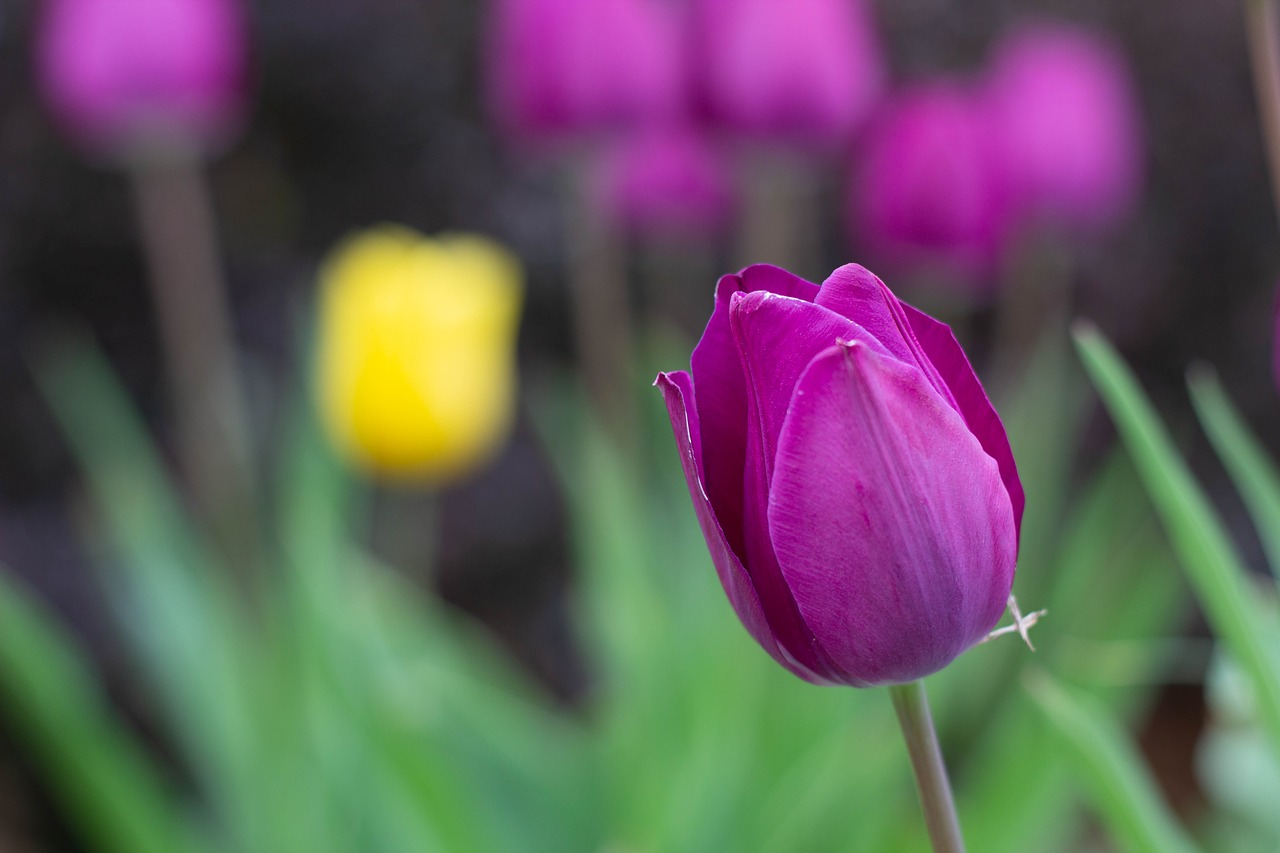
(1119, 786)
(1253, 472)
(1220, 581)
(109, 787)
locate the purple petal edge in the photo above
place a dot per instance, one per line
(676, 388)
(980, 416)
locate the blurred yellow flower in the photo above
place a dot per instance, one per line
(416, 352)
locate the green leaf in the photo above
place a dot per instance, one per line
(177, 603)
(107, 782)
(1110, 769)
(1245, 459)
(1220, 581)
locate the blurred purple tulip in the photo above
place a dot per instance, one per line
(667, 181)
(805, 71)
(563, 68)
(930, 190)
(854, 485)
(124, 76)
(1068, 123)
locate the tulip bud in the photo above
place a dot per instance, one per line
(930, 192)
(416, 364)
(128, 76)
(559, 68)
(1068, 124)
(667, 181)
(806, 71)
(853, 483)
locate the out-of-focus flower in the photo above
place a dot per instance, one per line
(124, 77)
(562, 68)
(805, 71)
(930, 190)
(416, 364)
(1068, 124)
(854, 485)
(667, 181)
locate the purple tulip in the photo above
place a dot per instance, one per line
(668, 181)
(1068, 123)
(854, 485)
(121, 76)
(805, 71)
(563, 68)
(930, 191)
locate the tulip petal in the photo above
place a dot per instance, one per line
(891, 524)
(777, 280)
(721, 400)
(777, 337)
(855, 292)
(677, 389)
(953, 366)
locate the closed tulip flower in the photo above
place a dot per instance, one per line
(120, 76)
(1068, 124)
(854, 485)
(558, 69)
(806, 71)
(416, 363)
(930, 192)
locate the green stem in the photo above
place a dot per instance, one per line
(912, 707)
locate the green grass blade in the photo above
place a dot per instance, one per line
(177, 603)
(113, 793)
(1111, 771)
(1253, 471)
(1220, 581)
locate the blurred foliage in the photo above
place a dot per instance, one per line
(321, 702)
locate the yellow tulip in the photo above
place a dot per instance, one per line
(416, 361)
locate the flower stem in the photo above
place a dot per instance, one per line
(177, 230)
(1261, 21)
(912, 707)
(601, 310)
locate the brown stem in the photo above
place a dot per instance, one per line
(601, 311)
(1264, 55)
(177, 228)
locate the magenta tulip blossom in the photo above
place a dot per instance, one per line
(1068, 123)
(855, 487)
(122, 75)
(668, 181)
(563, 68)
(804, 71)
(930, 190)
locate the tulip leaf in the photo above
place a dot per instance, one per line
(1253, 471)
(1220, 580)
(1110, 769)
(180, 610)
(105, 778)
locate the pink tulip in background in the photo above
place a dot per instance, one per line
(562, 68)
(805, 71)
(669, 181)
(118, 75)
(1068, 123)
(929, 189)
(854, 485)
